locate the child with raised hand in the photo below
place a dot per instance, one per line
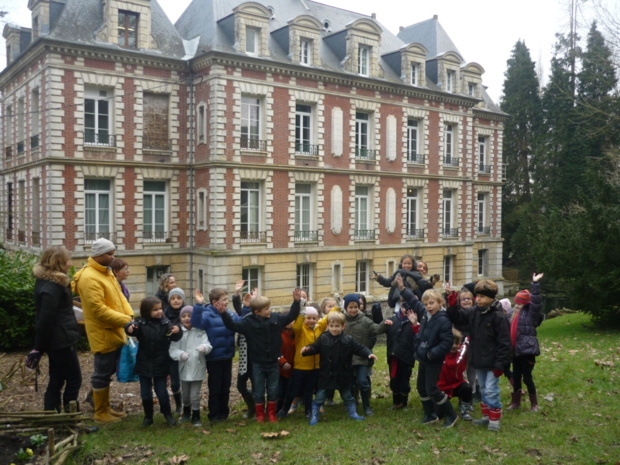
(489, 346)
(336, 367)
(154, 332)
(527, 316)
(176, 301)
(190, 353)
(219, 360)
(244, 368)
(364, 331)
(263, 332)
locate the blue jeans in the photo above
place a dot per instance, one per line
(158, 383)
(362, 380)
(489, 388)
(266, 376)
(345, 395)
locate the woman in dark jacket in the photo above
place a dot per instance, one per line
(56, 329)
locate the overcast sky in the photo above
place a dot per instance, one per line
(484, 31)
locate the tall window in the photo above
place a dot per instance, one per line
(155, 214)
(251, 276)
(448, 214)
(202, 124)
(21, 125)
(362, 213)
(304, 277)
(153, 273)
(303, 130)
(36, 211)
(21, 217)
(482, 223)
(303, 213)
(97, 208)
(363, 60)
(415, 69)
(450, 80)
(201, 209)
(9, 219)
(128, 29)
(413, 229)
(35, 113)
(252, 40)
(471, 89)
(305, 52)
(412, 142)
(250, 212)
(250, 123)
(362, 269)
(448, 268)
(483, 167)
(483, 262)
(97, 117)
(362, 130)
(156, 130)
(448, 143)
(9, 130)
(336, 277)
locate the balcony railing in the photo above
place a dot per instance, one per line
(155, 236)
(250, 143)
(484, 231)
(485, 169)
(451, 162)
(156, 143)
(253, 236)
(34, 141)
(450, 232)
(415, 234)
(8, 151)
(93, 236)
(417, 158)
(20, 147)
(100, 139)
(365, 154)
(306, 149)
(306, 236)
(364, 235)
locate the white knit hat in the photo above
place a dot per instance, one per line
(101, 246)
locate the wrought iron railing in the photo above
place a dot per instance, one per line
(417, 158)
(253, 236)
(365, 154)
(250, 143)
(415, 234)
(450, 232)
(451, 162)
(306, 236)
(101, 139)
(364, 235)
(306, 149)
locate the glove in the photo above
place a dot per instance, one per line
(33, 359)
(184, 356)
(453, 298)
(202, 349)
(498, 373)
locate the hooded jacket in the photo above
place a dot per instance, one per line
(529, 318)
(56, 326)
(154, 338)
(194, 368)
(106, 310)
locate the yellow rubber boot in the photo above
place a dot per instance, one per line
(101, 398)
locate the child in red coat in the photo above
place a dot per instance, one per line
(451, 380)
(286, 362)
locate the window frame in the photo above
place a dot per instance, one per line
(124, 29)
(303, 277)
(305, 51)
(252, 276)
(362, 134)
(152, 275)
(202, 124)
(448, 268)
(450, 80)
(304, 212)
(413, 213)
(251, 115)
(159, 212)
(98, 104)
(303, 129)
(252, 40)
(362, 272)
(483, 262)
(363, 60)
(482, 214)
(448, 142)
(448, 204)
(98, 193)
(250, 228)
(413, 134)
(363, 212)
(415, 70)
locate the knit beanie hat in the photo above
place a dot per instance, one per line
(176, 291)
(186, 309)
(523, 297)
(506, 305)
(470, 287)
(101, 246)
(312, 311)
(351, 298)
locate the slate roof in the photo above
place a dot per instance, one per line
(430, 34)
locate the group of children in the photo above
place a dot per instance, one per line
(306, 354)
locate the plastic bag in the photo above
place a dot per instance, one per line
(127, 362)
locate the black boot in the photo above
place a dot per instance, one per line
(429, 411)
(397, 403)
(448, 413)
(187, 410)
(365, 395)
(196, 418)
(169, 419)
(147, 405)
(89, 398)
(178, 402)
(249, 402)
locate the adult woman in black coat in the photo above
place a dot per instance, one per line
(56, 329)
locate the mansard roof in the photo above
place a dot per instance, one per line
(430, 34)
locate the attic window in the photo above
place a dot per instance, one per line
(128, 29)
(450, 78)
(327, 26)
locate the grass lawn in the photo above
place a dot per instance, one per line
(579, 423)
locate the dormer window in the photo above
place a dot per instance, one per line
(305, 52)
(363, 60)
(128, 29)
(415, 70)
(450, 81)
(252, 37)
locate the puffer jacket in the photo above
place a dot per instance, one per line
(221, 338)
(530, 317)
(194, 368)
(489, 346)
(304, 336)
(106, 310)
(362, 329)
(336, 371)
(434, 338)
(154, 339)
(56, 326)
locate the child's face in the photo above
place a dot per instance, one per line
(407, 264)
(422, 268)
(466, 300)
(176, 301)
(157, 312)
(456, 346)
(518, 307)
(311, 320)
(329, 305)
(335, 328)
(484, 300)
(223, 300)
(264, 312)
(353, 308)
(186, 319)
(432, 305)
